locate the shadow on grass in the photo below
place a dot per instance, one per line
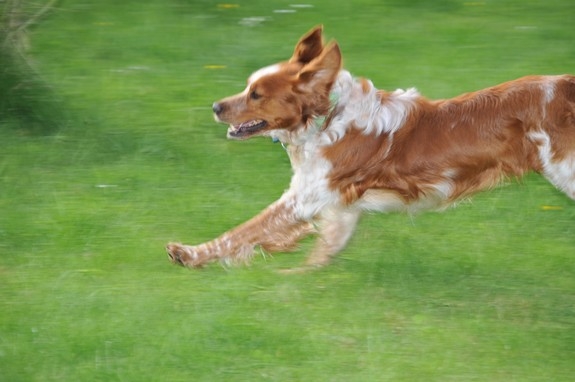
(26, 101)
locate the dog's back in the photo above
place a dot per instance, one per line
(453, 148)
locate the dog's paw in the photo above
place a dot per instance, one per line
(183, 255)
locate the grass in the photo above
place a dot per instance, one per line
(483, 292)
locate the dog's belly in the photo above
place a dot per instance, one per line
(390, 201)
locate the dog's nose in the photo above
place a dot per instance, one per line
(217, 108)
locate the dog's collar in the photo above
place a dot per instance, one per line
(320, 120)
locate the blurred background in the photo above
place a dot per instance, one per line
(108, 150)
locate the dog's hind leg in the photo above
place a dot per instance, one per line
(564, 176)
(336, 226)
(559, 171)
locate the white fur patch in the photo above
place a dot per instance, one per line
(309, 190)
(560, 173)
(366, 110)
(549, 89)
(266, 71)
(381, 201)
(389, 201)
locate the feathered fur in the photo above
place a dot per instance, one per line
(355, 148)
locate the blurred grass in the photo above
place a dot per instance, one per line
(481, 292)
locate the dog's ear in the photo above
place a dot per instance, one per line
(318, 76)
(309, 46)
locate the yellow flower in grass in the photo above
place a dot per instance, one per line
(214, 67)
(228, 6)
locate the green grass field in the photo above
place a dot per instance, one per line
(484, 292)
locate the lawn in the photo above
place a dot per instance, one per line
(483, 292)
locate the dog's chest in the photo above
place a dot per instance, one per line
(310, 181)
(310, 168)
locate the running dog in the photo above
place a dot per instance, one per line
(354, 148)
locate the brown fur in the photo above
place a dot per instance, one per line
(413, 154)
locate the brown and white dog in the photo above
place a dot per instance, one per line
(355, 148)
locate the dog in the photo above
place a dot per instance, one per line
(355, 148)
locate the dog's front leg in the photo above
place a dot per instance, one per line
(275, 228)
(336, 226)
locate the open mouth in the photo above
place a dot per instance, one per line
(244, 130)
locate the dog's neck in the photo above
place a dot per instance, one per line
(317, 122)
(357, 103)
(320, 122)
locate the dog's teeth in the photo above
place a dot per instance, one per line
(249, 127)
(246, 125)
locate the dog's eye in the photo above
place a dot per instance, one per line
(254, 95)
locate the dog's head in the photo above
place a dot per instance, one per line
(284, 96)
